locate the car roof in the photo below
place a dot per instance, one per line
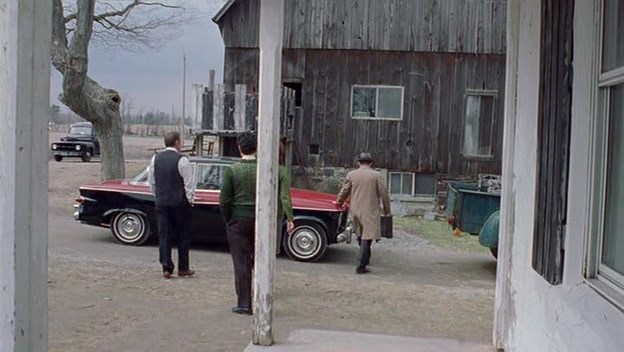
(81, 124)
(214, 160)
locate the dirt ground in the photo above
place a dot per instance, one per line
(108, 297)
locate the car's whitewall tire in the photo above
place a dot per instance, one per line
(130, 228)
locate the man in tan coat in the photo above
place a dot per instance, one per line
(367, 193)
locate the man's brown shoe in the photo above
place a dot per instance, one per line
(182, 273)
(166, 275)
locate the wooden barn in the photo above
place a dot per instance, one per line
(418, 83)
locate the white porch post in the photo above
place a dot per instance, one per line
(523, 29)
(270, 40)
(506, 227)
(25, 33)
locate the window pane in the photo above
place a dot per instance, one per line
(486, 117)
(613, 55)
(471, 132)
(390, 103)
(426, 184)
(364, 102)
(395, 183)
(209, 177)
(613, 241)
(407, 184)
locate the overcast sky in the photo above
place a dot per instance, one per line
(152, 79)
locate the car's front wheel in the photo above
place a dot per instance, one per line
(86, 157)
(307, 243)
(130, 228)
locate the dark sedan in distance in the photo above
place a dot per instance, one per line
(127, 208)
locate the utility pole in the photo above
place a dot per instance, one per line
(199, 91)
(183, 99)
(270, 40)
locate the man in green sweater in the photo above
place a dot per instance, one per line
(238, 208)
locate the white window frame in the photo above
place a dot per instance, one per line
(605, 280)
(480, 93)
(376, 86)
(403, 174)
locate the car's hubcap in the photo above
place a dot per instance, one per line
(305, 242)
(129, 227)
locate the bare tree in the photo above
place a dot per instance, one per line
(113, 23)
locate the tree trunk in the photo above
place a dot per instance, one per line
(110, 135)
(84, 96)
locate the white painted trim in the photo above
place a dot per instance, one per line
(596, 91)
(377, 118)
(612, 78)
(612, 277)
(504, 304)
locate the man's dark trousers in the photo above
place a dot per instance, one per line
(365, 252)
(174, 224)
(241, 238)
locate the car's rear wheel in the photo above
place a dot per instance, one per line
(86, 157)
(494, 252)
(307, 243)
(130, 228)
(58, 158)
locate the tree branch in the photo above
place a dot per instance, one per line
(59, 37)
(78, 50)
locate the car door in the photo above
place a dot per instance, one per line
(207, 221)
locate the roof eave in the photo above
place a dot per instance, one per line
(223, 11)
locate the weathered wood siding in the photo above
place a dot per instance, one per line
(553, 131)
(428, 139)
(467, 26)
(436, 49)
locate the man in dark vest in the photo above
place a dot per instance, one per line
(238, 208)
(172, 181)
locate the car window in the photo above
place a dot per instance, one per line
(140, 179)
(80, 130)
(209, 176)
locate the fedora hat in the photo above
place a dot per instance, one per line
(364, 156)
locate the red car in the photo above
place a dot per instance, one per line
(127, 207)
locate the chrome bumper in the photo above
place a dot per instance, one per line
(76, 211)
(347, 235)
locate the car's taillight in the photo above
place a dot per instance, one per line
(79, 200)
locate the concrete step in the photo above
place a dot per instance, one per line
(337, 341)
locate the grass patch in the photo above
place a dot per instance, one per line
(438, 233)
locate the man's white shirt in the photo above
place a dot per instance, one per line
(185, 168)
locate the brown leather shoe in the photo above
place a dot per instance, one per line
(182, 273)
(167, 275)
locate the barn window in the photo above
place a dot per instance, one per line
(402, 183)
(479, 124)
(553, 139)
(425, 185)
(608, 245)
(377, 102)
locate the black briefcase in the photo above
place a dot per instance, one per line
(386, 226)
